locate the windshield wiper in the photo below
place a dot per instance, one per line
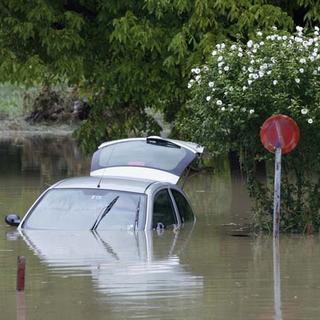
(136, 220)
(104, 213)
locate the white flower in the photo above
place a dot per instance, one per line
(299, 29)
(272, 37)
(249, 82)
(214, 52)
(250, 69)
(226, 68)
(189, 85)
(275, 82)
(196, 70)
(220, 72)
(284, 38)
(240, 54)
(219, 102)
(297, 80)
(205, 68)
(223, 109)
(259, 33)
(304, 111)
(220, 64)
(231, 109)
(261, 74)
(261, 43)
(310, 121)
(250, 44)
(197, 77)
(233, 47)
(243, 109)
(251, 111)
(274, 28)
(220, 58)
(208, 98)
(244, 88)
(211, 84)
(269, 72)
(255, 76)
(316, 28)
(302, 60)
(301, 70)
(298, 39)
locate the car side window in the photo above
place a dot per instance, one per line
(184, 208)
(163, 210)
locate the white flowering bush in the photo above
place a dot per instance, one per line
(238, 88)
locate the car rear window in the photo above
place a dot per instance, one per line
(142, 154)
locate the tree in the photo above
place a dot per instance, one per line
(129, 55)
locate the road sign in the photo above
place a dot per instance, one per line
(279, 134)
(280, 131)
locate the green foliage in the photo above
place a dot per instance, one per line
(237, 89)
(137, 53)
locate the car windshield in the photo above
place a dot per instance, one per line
(85, 209)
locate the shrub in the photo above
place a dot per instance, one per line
(237, 89)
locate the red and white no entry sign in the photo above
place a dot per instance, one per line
(279, 134)
(280, 131)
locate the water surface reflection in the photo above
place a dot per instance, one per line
(126, 267)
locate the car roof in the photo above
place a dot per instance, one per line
(110, 183)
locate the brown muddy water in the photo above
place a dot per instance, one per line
(198, 273)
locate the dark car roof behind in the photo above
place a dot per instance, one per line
(112, 183)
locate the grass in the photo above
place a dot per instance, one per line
(13, 100)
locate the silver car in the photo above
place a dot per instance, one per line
(132, 186)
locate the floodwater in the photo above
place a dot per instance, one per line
(200, 272)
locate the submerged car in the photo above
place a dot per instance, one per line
(132, 186)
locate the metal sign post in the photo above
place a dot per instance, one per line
(276, 194)
(279, 134)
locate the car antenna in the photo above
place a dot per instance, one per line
(99, 182)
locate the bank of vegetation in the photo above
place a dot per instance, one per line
(127, 57)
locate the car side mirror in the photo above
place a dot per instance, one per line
(12, 220)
